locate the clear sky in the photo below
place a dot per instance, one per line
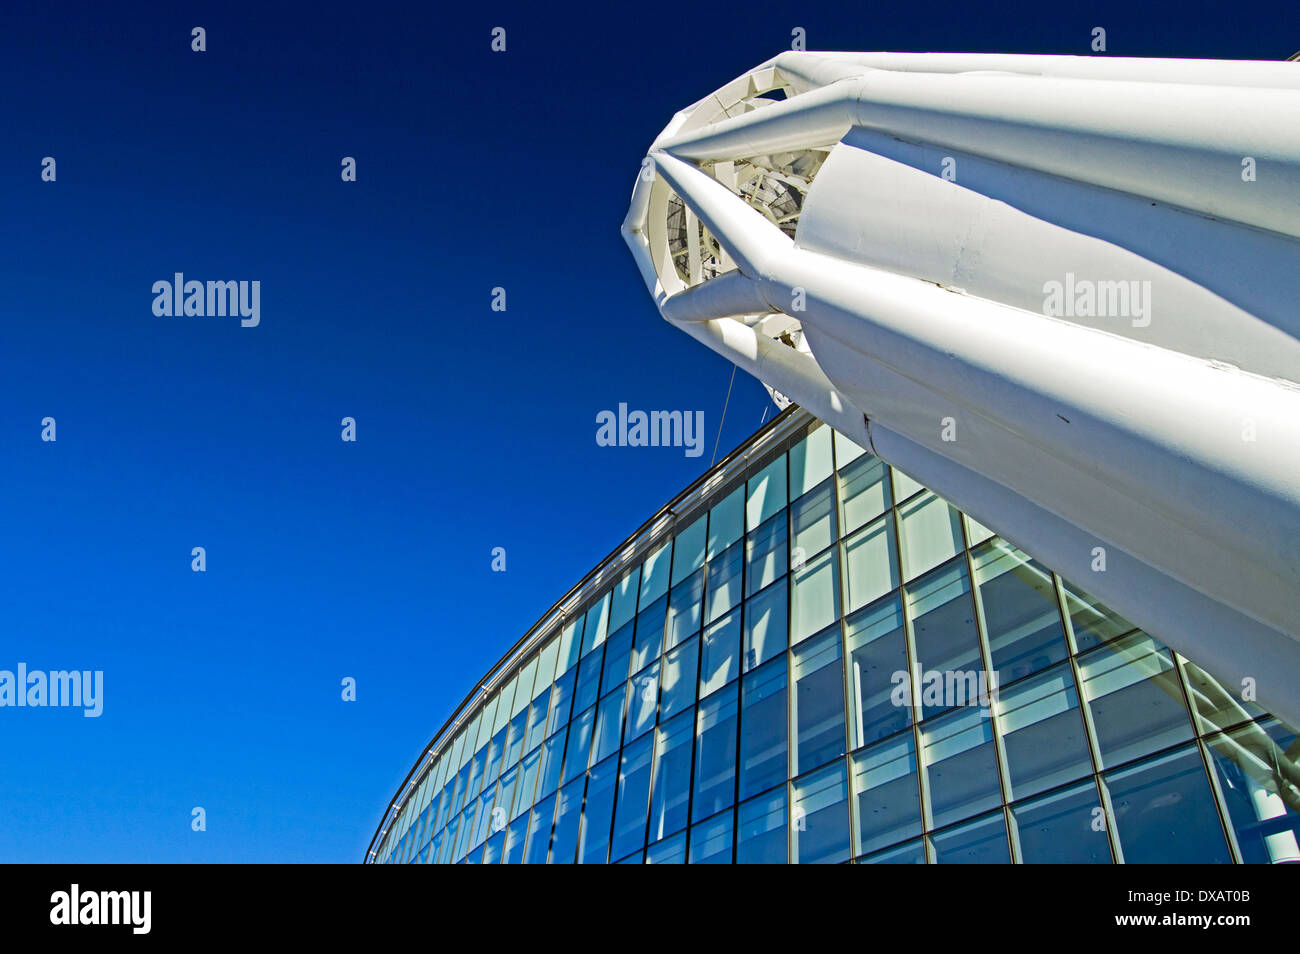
(475, 428)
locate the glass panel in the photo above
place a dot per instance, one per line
(711, 841)
(1042, 733)
(943, 625)
(680, 670)
(1064, 828)
(766, 553)
(979, 842)
(720, 663)
(872, 565)
(524, 688)
(633, 797)
(625, 596)
(688, 549)
(976, 532)
(597, 626)
(931, 534)
(575, 756)
(609, 724)
(564, 842)
(649, 634)
(598, 813)
(817, 703)
(816, 596)
(813, 523)
(536, 721)
(766, 493)
(570, 646)
(588, 688)
(846, 450)
(1164, 811)
(1256, 766)
(763, 733)
(727, 522)
(912, 853)
(671, 790)
(539, 833)
(864, 486)
(765, 625)
(880, 692)
(643, 700)
(655, 574)
(1021, 615)
(762, 837)
(961, 768)
(618, 651)
(1136, 702)
(515, 739)
(561, 702)
(904, 486)
(1093, 621)
(715, 753)
(810, 461)
(1217, 706)
(671, 851)
(724, 581)
(684, 610)
(512, 851)
(819, 820)
(528, 769)
(552, 761)
(888, 800)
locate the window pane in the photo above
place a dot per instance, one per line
(943, 624)
(539, 833)
(912, 853)
(762, 836)
(727, 522)
(813, 523)
(888, 800)
(1136, 702)
(766, 493)
(552, 761)
(766, 553)
(1164, 811)
(597, 626)
(684, 610)
(680, 670)
(810, 461)
(649, 634)
(618, 651)
(598, 813)
(643, 701)
(512, 850)
(817, 703)
(570, 646)
(1093, 621)
(711, 841)
(564, 842)
(1021, 614)
(609, 724)
(671, 851)
(688, 549)
(654, 574)
(588, 688)
(1042, 733)
(720, 662)
(878, 674)
(671, 789)
(931, 534)
(819, 820)
(715, 753)
(561, 702)
(763, 733)
(864, 485)
(846, 450)
(724, 581)
(1063, 828)
(765, 625)
(980, 842)
(816, 596)
(1217, 707)
(872, 566)
(625, 595)
(904, 486)
(575, 756)
(633, 797)
(960, 765)
(1256, 767)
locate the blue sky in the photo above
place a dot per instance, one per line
(476, 428)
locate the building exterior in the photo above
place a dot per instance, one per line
(809, 657)
(1057, 290)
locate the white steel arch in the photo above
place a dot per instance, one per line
(1060, 291)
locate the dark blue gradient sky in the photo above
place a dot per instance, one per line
(476, 428)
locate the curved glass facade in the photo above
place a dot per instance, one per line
(809, 657)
